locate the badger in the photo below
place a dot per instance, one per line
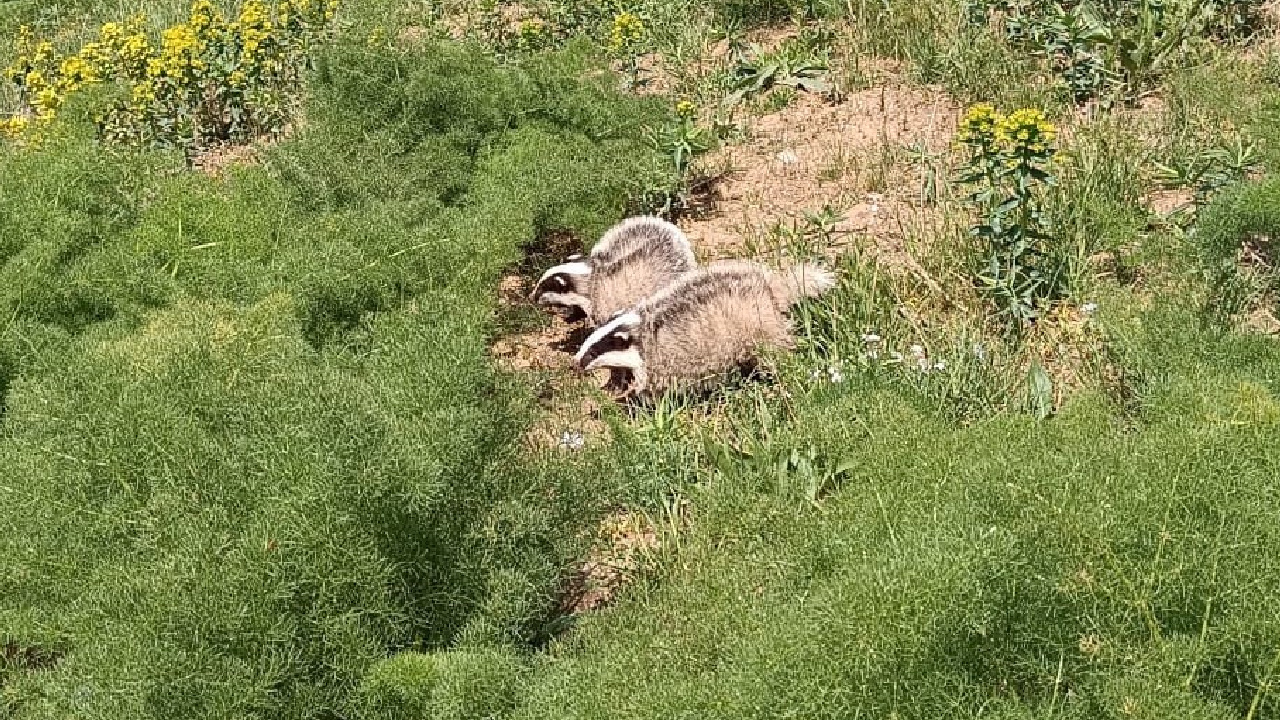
(634, 259)
(706, 323)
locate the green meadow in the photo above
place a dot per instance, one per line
(257, 459)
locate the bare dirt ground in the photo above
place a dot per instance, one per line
(850, 156)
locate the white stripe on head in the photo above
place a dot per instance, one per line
(628, 359)
(625, 321)
(571, 268)
(566, 299)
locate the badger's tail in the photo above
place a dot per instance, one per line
(801, 280)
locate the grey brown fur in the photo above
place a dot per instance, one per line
(704, 324)
(633, 260)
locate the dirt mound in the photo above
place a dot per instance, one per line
(851, 156)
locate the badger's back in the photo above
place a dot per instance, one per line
(714, 320)
(636, 266)
(636, 233)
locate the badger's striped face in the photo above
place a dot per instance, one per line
(612, 345)
(563, 286)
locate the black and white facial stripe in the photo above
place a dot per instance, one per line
(613, 344)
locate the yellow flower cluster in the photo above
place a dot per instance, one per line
(254, 26)
(627, 31)
(532, 28)
(206, 22)
(13, 127)
(978, 125)
(192, 59)
(685, 109)
(1020, 133)
(125, 50)
(1025, 131)
(181, 50)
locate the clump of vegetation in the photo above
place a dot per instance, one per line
(455, 685)
(799, 63)
(1096, 48)
(208, 80)
(681, 138)
(1009, 167)
(625, 38)
(302, 459)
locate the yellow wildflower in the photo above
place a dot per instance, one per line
(143, 93)
(532, 28)
(12, 128)
(35, 81)
(47, 103)
(254, 27)
(627, 31)
(1025, 131)
(686, 109)
(180, 51)
(75, 71)
(978, 124)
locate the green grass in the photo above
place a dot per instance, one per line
(965, 571)
(255, 460)
(251, 439)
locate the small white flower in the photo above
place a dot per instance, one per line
(572, 440)
(1089, 308)
(788, 157)
(871, 338)
(940, 365)
(979, 351)
(917, 351)
(836, 375)
(923, 364)
(816, 374)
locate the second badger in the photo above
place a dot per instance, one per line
(706, 323)
(633, 260)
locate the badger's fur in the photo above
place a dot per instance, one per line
(708, 322)
(634, 259)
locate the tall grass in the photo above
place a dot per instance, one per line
(1072, 568)
(252, 442)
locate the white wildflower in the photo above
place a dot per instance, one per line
(870, 338)
(940, 365)
(917, 351)
(1089, 308)
(572, 440)
(836, 375)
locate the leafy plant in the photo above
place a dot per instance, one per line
(681, 139)
(798, 63)
(625, 37)
(1010, 157)
(1206, 173)
(1097, 46)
